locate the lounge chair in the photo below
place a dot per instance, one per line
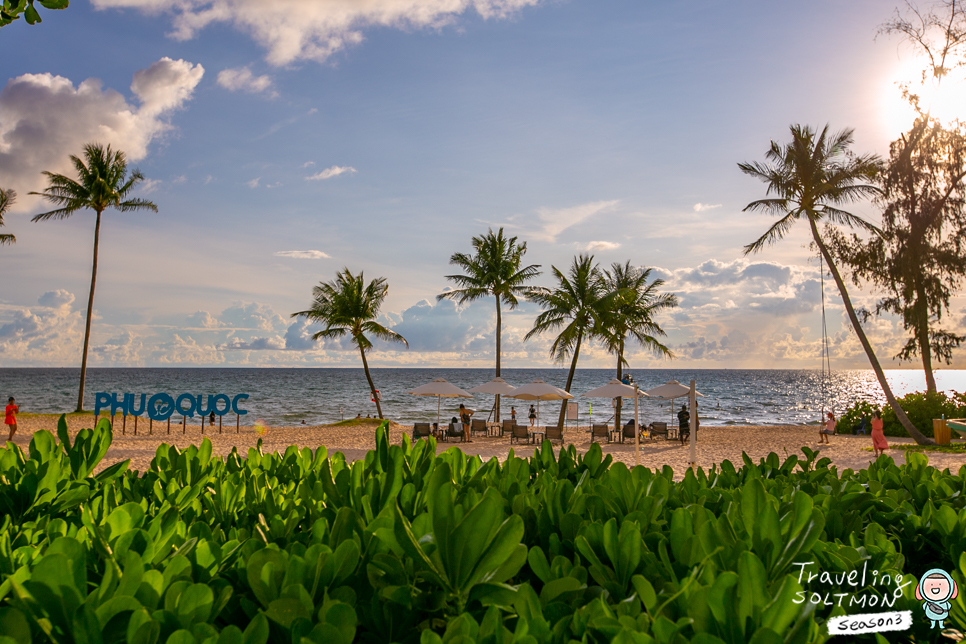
(477, 427)
(455, 430)
(659, 429)
(421, 430)
(507, 427)
(600, 431)
(519, 432)
(860, 427)
(555, 434)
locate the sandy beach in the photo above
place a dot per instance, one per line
(715, 444)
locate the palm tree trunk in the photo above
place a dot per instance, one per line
(570, 380)
(90, 311)
(499, 330)
(922, 338)
(879, 374)
(620, 373)
(372, 387)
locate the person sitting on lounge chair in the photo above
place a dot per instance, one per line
(455, 429)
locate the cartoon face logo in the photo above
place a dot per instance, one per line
(935, 589)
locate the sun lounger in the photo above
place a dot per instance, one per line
(599, 431)
(519, 432)
(507, 427)
(478, 427)
(420, 430)
(555, 434)
(658, 429)
(454, 430)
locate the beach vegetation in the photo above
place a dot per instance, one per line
(410, 546)
(7, 198)
(11, 10)
(349, 306)
(574, 308)
(809, 179)
(631, 315)
(494, 269)
(921, 407)
(102, 182)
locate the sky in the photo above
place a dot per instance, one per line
(283, 142)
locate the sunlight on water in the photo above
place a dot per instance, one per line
(290, 396)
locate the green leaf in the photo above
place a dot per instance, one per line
(286, 610)
(181, 636)
(257, 630)
(14, 625)
(195, 604)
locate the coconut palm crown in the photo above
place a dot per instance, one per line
(7, 197)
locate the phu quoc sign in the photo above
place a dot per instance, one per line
(162, 406)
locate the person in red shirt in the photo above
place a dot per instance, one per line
(10, 417)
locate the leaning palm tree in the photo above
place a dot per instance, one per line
(631, 315)
(102, 182)
(7, 197)
(574, 308)
(494, 269)
(348, 305)
(809, 178)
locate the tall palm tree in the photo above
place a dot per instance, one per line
(494, 269)
(631, 315)
(102, 182)
(347, 305)
(7, 197)
(574, 308)
(809, 178)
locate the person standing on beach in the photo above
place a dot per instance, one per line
(513, 415)
(879, 443)
(533, 416)
(684, 424)
(829, 428)
(10, 417)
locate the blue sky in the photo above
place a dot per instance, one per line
(282, 145)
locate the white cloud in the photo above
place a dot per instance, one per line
(44, 119)
(242, 79)
(328, 173)
(601, 245)
(308, 163)
(313, 30)
(58, 298)
(701, 207)
(302, 254)
(149, 185)
(550, 223)
(253, 183)
(180, 179)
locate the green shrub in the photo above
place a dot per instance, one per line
(413, 547)
(921, 408)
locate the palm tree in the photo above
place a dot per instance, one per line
(573, 307)
(494, 269)
(103, 182)
(348, 305)
(810, 177)
(7, 197)
(631, 315)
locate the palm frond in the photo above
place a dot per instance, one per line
(777, 230)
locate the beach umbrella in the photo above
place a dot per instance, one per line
(498, 387)
(539, 390)
(669, 391)
(617, 389)
(441, 389)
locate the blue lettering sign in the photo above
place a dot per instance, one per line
(162, 406)
(234, 404)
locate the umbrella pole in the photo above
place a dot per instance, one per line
(692, 399)
(637, 432)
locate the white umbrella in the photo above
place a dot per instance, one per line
(498, 387)
(617, 389)
(539, 390)
(669, 391)
(441, 389)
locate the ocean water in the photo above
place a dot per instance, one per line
(289, 396)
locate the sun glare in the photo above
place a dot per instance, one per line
(945, 101)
